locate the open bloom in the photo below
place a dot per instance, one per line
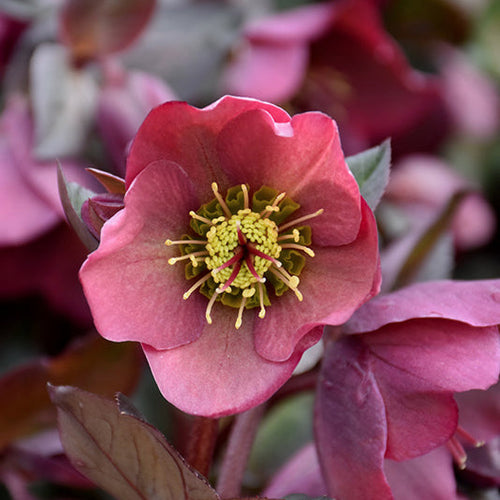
(242, 233)
(337, 57)
(386, 387)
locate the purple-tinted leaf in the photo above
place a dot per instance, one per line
(371, 170)
(120, 453)
(112, 183)
(93, 28)
(72, 198)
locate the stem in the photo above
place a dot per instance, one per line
(237, 453)
(201, 444)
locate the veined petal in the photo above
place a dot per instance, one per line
(442, 354)
(220, 373)
(303, 158)
(333, 283)
(184, 134)
(476, 303)
(133, 293)
(428, 476)
(350, 424)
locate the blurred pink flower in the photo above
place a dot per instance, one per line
(220, 351)
(422, 185)
(38, 253)
(428, 476)
(124, 101)
(337, 58)
(386, 386)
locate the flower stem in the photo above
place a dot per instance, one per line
(237, 452)
(201, 444)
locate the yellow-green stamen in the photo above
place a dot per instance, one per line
(241, 243)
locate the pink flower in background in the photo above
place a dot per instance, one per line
(337, 57)
(225, 317)
(38, 252)
(386, 387)
(422, 185)
(124, 101)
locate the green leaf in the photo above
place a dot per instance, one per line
(122, 454)
(371, 171)
(72, 198)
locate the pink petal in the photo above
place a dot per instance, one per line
(333, 282)
(186, 135)
(476, 303)
(418, 418)
(303, 158)
(220, 373)
(25, 214)
(350, 424)
(133, 292)
(480, 412)
(441, 354)
(429, 476)
(267, 71)
(301, 474)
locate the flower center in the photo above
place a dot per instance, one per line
(243, 248)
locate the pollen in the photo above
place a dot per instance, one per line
(244, 249)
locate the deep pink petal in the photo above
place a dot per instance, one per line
(442, 354)
(480, 412)
(303, 158)
(178, 132)
(133, 292)
(418, 418)
(220, 373)
(282, 64)
(25, 214)
(334, 283)
(474, 302)
(350, 424)
(301, 474)
(429, 476)
(301, 24)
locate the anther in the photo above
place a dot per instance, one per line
(169, 243)
(457, 452)
(305, 249)
(274, 207)
(194, 215)
(173, 260)
(300, 220)
(221, 201)
(210, 304)
(295, 236)
(240, 313)
(246, 203)
(248, 292)
(262, 311)
(196, 285)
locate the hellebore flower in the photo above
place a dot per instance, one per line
(422, 185)
(336, 57)
(207, 267)
(386, 386)
(38, 252)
